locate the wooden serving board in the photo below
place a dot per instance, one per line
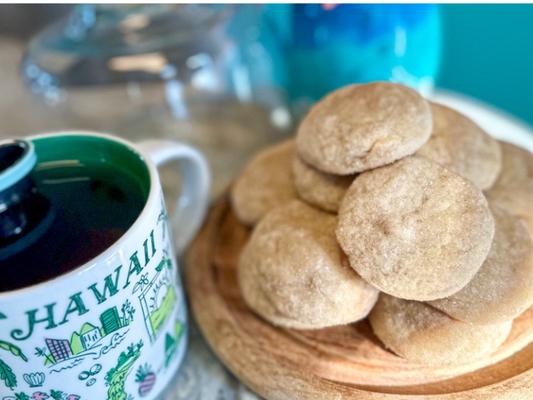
(345, 362)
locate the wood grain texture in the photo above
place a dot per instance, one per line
(346, 362)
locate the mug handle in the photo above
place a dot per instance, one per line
(192, 204)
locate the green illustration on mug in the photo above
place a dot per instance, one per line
(163, 218)
(35, 379)
(6, 373)
(112, 285)
(79, 328)
(172, 341)
(116, 377)
(157, 297)
(89, 376)
(89, 338)
(53, 395)
(146, 378)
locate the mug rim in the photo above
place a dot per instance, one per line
(137, 224)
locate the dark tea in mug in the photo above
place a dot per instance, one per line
(85, 207)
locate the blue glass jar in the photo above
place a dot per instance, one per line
(328, 46)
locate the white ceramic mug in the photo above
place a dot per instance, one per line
(116, 327)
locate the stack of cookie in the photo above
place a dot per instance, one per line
(394, 208)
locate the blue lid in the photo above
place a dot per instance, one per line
(17, 159)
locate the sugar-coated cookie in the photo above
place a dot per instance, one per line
(459, 144)
(503, 287)
(360, 127)
(514, 187)
(422, 334)
(414, 229)
(317, 188)
(293, 273)
(264, 184)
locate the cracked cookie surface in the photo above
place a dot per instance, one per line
(458, 144)
(514, 188)
(360, 127)
(503, 287)
(422, 334)
(294, 274)
(414, 229)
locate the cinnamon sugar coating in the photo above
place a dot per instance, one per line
(460, 145)
(503, 287)
(264, 184)
(360, 127)
(293, 273)
(414, 229)
(322, 190)
(422, 334)
(514, 188)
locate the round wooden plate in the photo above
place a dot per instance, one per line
(346, 362)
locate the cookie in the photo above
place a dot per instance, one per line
(360, 127)
(414, 229)
(293, 273)
(460, 145)
(264, 184)
(424, 335)
(514, 188)
(503, 287)
(317, 188)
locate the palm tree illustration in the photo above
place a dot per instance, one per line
(42, 353)
(130, 312)
(127, 313)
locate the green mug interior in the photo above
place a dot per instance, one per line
(86, 149)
